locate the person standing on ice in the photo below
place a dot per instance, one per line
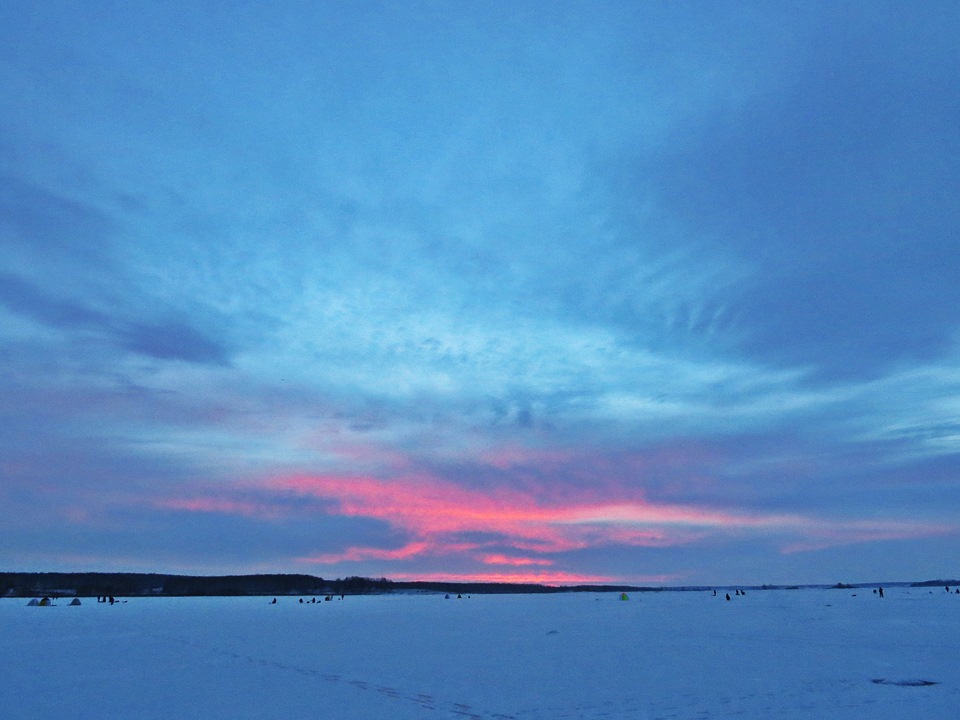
(881, 592)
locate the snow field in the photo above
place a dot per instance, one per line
(769, 654)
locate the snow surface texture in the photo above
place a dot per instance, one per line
(769, 654)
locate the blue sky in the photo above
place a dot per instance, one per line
(619, 292)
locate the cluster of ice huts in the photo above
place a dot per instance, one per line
(47, 602)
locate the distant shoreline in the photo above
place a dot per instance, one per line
(84, 584)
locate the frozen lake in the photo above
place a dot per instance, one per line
(769, 654)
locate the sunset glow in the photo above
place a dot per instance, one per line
(542, 578)
(522, 529)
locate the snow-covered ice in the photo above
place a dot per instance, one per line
(769, 654)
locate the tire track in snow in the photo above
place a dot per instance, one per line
(455, 710)
(626, 709)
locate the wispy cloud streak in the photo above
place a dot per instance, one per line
(517, 528)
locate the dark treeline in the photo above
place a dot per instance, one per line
(142, 584)
(147, 584)
(935, 583)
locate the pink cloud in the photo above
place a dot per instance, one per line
(429, 508)
(496, 559)
(440, 512)
(526, 527)
(551, 577)
(542, 577)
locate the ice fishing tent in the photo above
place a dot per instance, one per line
(33, 603)
(45, 602)
(623, 596)
(75, 601)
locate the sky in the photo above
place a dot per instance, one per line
(614, 292)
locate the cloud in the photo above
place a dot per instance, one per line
(167, 340)
(826, 185)
(356, 554)
(174, 340)
(500, 559)
(616, 286)
(25, 298)
(49, 230)
(507, 526)
(540, 577)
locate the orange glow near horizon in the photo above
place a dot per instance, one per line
(538, 578)
(496, 559)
